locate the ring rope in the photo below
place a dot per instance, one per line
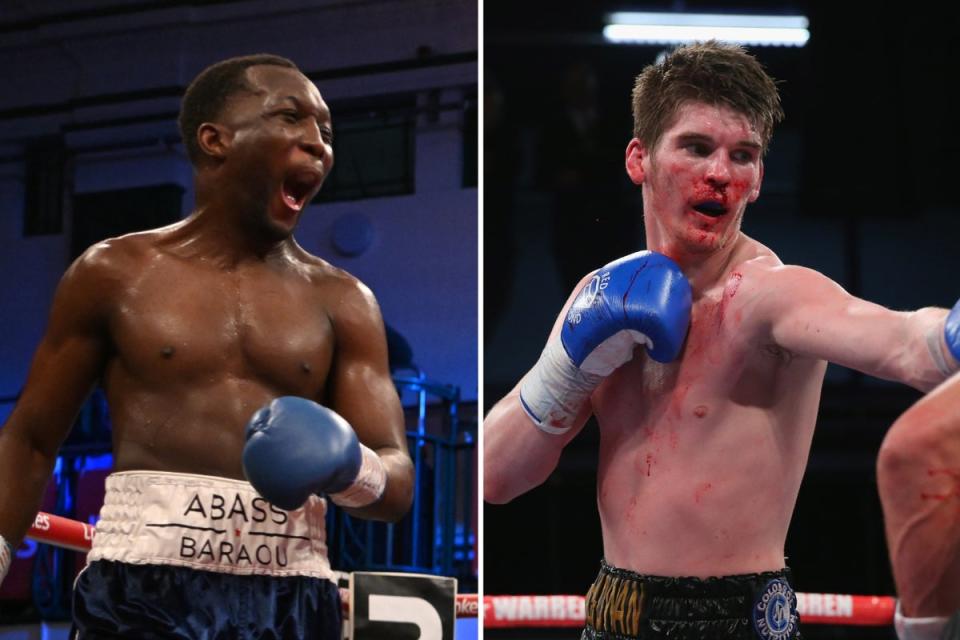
(514, 611)
(569, 611)
(74, 535)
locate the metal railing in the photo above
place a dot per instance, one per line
(437, 535)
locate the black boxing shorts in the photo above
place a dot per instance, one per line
(187, 556)
(119, 600)
(623, 605)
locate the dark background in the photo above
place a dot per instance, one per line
(860, 185)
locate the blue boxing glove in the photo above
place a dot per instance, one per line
(296, 447)
(642, 298)
(951, 332)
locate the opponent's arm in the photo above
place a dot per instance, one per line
(918, 477)
(641, 299)
(355, 451)
(810, 315)
(65, 367)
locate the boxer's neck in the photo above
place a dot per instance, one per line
(214, 234)
(703, 270)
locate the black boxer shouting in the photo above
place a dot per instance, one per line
(191, 329)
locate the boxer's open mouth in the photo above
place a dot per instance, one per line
(299, 186)
(711, 208)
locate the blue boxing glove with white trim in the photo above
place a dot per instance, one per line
(296, 448)
(642, 298)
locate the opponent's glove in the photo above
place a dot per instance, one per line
(951, 332)
(642, 298)
(296, 447)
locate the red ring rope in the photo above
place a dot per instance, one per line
(569, 611)
(61, 532)
(78, 536)
(537, 611)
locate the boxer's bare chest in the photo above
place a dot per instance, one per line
(181, 322)
(725, 363)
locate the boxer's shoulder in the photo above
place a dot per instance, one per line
(747, 290)
(347, 298)
(108, 263)
(786, 282)
(335, 280)
(319, 271)
(764, 273)
(755, 261)
(748, 279)
(775, 294)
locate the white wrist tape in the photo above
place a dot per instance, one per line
(370, 483)
(555, 390)
(6, 557)
(918, 628)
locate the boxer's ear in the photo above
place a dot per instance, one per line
(636, 159)
(756, 192)
(213, 139)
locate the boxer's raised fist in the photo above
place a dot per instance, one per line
(642, 298)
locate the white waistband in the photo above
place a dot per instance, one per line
(208, 523)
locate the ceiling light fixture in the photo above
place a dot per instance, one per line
(629, 27)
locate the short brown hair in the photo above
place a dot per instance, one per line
(709, 72)
(208, 93)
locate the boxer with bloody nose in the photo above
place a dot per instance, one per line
(701, 452)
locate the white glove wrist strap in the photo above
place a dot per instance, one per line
(918, 628)
(370, 484)
(6, 557)
(555, 390)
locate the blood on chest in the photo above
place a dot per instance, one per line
(663, 399)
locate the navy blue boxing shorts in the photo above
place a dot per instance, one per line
(187, 556)
(118, 600)
(624, 605)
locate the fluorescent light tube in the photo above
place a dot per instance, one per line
(679, 28)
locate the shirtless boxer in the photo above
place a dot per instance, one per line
(918, 474)
(703, 441)
(194, 330)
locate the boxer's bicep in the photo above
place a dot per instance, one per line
(70, 358)
(813, 316)
(66, 365)
(362, 391)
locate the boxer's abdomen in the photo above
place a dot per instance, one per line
(197, 350)
(701, 459)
